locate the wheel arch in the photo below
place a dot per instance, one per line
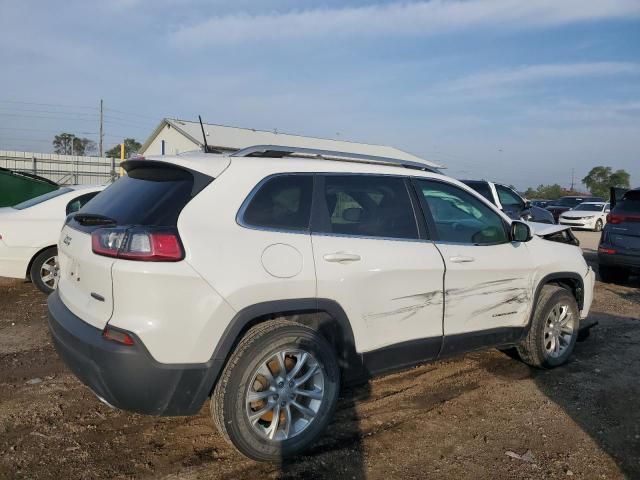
(570, 281)
(323, 315)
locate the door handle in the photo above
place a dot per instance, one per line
(461, 259)
(341, 257)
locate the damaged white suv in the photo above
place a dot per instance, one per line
(268, 278)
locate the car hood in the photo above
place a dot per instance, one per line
(579, 214)
(543, 229)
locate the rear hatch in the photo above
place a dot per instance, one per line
(623, 232)
(133, 219)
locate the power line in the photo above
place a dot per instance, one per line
(47, 104)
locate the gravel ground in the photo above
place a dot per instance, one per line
(483, 415)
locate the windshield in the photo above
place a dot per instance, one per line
(42, 198)
(590, 207)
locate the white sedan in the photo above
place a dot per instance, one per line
(589, 215)
(29, 232)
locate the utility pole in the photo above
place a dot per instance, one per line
(101, 135)
(572, 175)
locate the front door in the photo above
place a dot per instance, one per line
(488, 280)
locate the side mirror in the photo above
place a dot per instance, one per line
(527, 204)
(520, 232)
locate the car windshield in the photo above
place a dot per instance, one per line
(590, 207)
(42, 198)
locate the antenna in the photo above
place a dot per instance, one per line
(207, 149)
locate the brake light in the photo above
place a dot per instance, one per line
(608, 251)
(117, 336)
(616, 218)
(138, 244)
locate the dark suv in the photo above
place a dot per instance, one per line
(564, 204)
(619, 249)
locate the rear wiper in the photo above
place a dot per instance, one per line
(89, 219)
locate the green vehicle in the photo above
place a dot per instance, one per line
(16, 187)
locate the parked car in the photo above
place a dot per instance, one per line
(265, 281)
(29, 232)
(511, 203)
(589, 215)
(16, 187)
(564, 204)
(540, 203)
(619, 249)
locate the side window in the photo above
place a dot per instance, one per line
(368, 206)
(508, 197)
(79, 202)
(282, 202)
(460, 217)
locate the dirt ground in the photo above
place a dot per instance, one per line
(452, 419)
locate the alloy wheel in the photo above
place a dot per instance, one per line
(285, 394)
(50, 272)
(558, 330)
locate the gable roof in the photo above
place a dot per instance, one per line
(234, 138)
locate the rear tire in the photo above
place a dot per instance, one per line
(609, 274)
(264, 375)
(45, 270)
(553, 331)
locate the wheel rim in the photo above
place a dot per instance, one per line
(50, 272)
(598, 226)
(285, 394)
(558, 330)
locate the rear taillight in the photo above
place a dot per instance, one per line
(617, 218)
(138, 243)
(117, 336)
(606, 251)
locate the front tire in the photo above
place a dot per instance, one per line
(45, 270)
(553, 331)
(277, 392)
(598, 227)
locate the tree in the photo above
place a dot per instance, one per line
(600, 179)
(131, 147)
(69, 144)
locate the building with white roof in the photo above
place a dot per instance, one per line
(172, 137)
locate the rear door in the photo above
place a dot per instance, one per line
(152, 194)
(372, 258)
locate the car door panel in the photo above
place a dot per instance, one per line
(488, 278)
(390, 288)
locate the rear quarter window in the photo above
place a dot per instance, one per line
(282, 202)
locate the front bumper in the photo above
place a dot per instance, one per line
(582, 223)
(127, 377)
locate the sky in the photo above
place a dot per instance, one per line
(524, 92)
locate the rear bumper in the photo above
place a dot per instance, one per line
(127, 377)
(14, 261)
(619, 260)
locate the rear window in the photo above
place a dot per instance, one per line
(629, 203)
(42, 198)
(152, 196)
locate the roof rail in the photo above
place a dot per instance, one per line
(278, 151)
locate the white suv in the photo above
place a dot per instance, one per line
(265, 280)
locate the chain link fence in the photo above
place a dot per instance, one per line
(63, 169)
